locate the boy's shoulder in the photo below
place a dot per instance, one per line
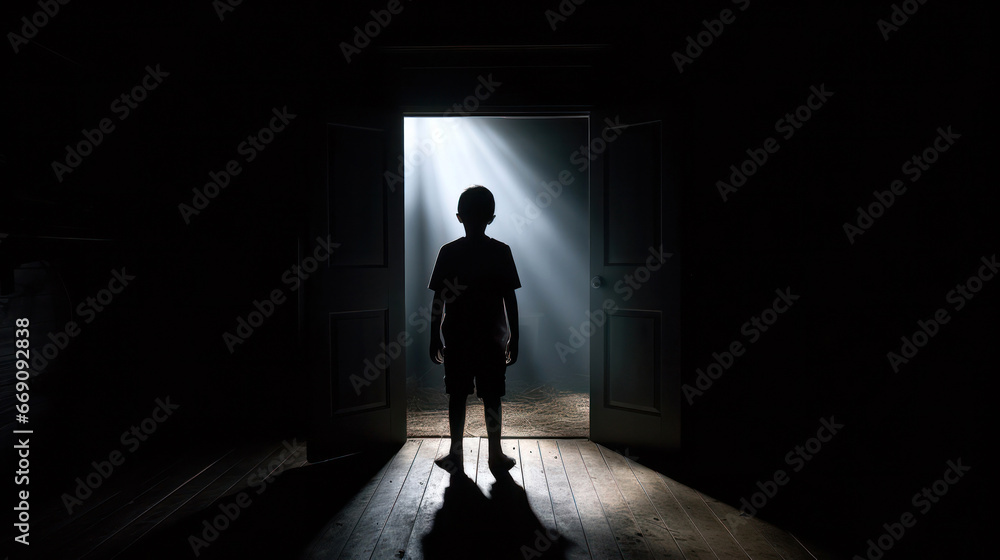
(464, 243)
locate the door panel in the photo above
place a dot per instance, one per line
(354, 302)
(355, 338)
(635, 354)
(358, 203)
(632, 208)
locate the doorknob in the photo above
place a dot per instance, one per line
(596, 282)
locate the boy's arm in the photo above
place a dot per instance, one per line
(437, 307)
(510, 304)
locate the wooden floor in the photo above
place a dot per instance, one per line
(565, 498)
(128, 510)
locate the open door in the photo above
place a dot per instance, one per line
(635, 279)
(354, 314)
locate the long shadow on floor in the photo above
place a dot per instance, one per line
(472, 525)
(282, 520)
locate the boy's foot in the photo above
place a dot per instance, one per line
(452, 462)
(501, 463)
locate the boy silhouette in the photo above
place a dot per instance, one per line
(480, 275)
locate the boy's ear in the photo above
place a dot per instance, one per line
(459, 216)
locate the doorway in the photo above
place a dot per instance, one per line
(537, 170)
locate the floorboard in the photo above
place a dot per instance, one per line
(331, 540)
(484, 478)
(171, 504)
(715, 533)
(744, 529)
(784, 543)
(654, 530)
(470, 457)
(596, 528)
(71, 528)
(59, 525)
(174, 492)
(430, 503)
(393, 540)
(573, 496)
(535, 485)
(687, 536)
(567, 518)
(623, 524)
(128, 512)
(362, 540)
(512, 447)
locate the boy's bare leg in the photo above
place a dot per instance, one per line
(493, 426)
(456, 422)
(453, 461)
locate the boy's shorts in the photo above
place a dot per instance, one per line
(483, 369)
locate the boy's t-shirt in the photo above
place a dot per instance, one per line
(474, 274)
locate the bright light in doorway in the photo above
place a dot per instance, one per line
(546, 228)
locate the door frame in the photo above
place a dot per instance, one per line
(521, 111)
(395, 314)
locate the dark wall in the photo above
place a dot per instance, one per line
(118, 211)
(826, 356)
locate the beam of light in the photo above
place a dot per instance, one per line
(512, 157)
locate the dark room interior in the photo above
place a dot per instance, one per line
(753, 240)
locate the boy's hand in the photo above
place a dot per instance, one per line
(511, 351)
(436, 351)
(510, 307)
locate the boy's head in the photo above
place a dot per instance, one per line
(476, 207)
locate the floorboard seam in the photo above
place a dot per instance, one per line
(628, 508)
(694, 525)
(663, 518)
(150, 508)
(590, 480)
(804, 547)
(576, 504)
(175, 510)
(354, 526)
(625, 500)
(736, 540)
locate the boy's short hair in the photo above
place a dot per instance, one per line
(476, 204)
